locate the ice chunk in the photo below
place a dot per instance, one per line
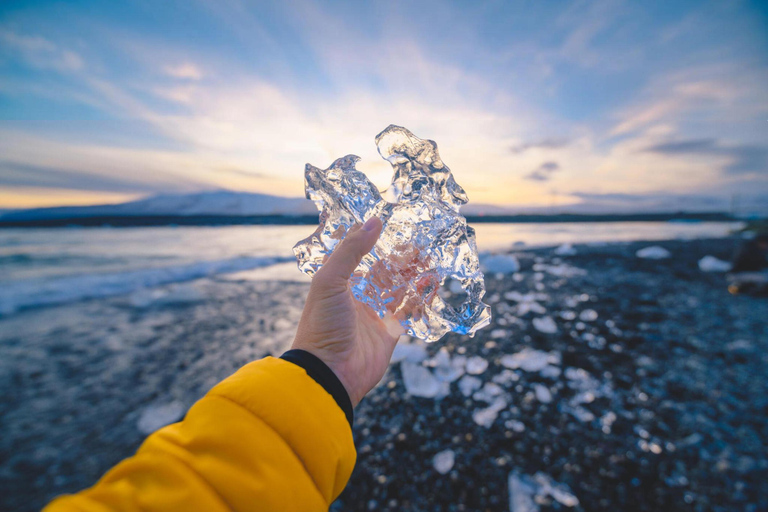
(485, 417)
(443, 461)
(419, 381)
(425, 239)
(565, 250)
(588, 315)
(157, 416)
(545, 324)
(500, 263)
(712, 264)
(476, 365)
(469, 384)
(653, 252)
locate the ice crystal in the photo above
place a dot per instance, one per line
(425, 239)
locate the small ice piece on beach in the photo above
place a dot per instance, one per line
(476, 365)
(489, 392)
(445, 369)
(530, 360)
(525, 492)
(469, 384)
(156, 416)
(443, 461)
(515, 425)
(505, 378)
(485, 417)
(560, 492)
(712, 264)
(500, 263)
(543, 394)
(588, 315)
(425, 239)
(521, 494)
(565, 250)
(545, 324)
(568, 315)
(411, 352)
(419, 381)
(653, 252)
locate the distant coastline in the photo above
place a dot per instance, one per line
(297, 220)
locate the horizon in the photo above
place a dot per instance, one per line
(532, 106)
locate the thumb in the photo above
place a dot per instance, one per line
(351, 250)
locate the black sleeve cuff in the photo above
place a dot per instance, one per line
(324, 376)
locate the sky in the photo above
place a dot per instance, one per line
(532, 103)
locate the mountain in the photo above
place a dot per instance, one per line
(216, 203)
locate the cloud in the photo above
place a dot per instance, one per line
(40, 52)
(522, 147)
(15, 174)
(543, 172)
(743, 158)
(186, 70)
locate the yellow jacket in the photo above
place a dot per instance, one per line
(268, 438)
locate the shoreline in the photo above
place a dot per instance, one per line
(681, 365)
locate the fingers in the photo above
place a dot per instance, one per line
(351, 250)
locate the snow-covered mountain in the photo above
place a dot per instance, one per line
(220, 202)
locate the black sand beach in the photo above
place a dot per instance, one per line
(655, 396)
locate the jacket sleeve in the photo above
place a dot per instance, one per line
(268, 438)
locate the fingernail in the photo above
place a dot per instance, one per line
(369, 224)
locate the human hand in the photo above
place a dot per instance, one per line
(341, 331)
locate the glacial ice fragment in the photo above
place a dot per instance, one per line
(425, 239)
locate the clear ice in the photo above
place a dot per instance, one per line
(424, 242)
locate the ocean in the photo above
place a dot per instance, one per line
(43, 267)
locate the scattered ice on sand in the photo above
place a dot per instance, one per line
(530, 360)
(545, 324)
(543, 394)
(419, 381)
(476, 365)
(588, 315)
(653, 252)
(712, 264)
(485, 417)
(443, 461)
(469, 384)
(565, 250)
(157, 416)
(411, 352)
(500, 263)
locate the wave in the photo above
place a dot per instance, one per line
(30, 293)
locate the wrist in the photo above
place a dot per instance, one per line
(325, 375)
